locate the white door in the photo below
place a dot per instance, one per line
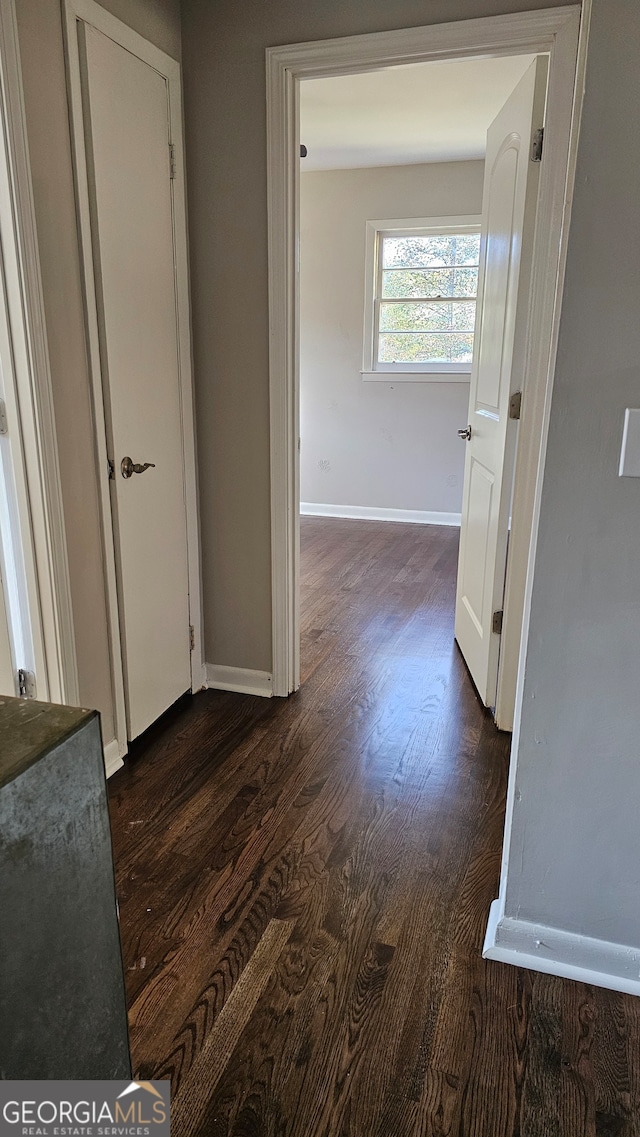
(508, 220)
(127, 137)
(7, 677)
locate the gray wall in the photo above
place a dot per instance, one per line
(574, 854)
(389, 444)
(43, 70)
(224, 78)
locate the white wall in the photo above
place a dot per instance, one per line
(390, 445)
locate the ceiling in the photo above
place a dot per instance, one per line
(425, 112)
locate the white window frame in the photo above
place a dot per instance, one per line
(372, 370)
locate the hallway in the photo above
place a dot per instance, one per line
(304, 886)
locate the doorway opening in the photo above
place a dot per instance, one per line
(552, 37)
(391, 213)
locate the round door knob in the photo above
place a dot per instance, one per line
(465, 433)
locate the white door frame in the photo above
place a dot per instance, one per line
(34, 542)
(554, 30)
(92, 13)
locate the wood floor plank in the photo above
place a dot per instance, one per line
(578, 1112)
(190, 1104)
(540, 1103)
(304, 885)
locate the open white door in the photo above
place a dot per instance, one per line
(508, 221)
(127, 132)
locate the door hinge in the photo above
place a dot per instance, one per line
(515, 404)
(4, 428)
(496, 623)
(26, 684)
(192, 638)
(537, 143)
(172, 161)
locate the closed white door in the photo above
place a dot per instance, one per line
(126, 114)
(508, 220)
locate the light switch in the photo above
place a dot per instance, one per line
(630, 452)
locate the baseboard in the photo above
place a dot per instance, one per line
(371, 513)
(112, 758)
(241, 679)
(556, 952)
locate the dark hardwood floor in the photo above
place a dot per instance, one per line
(304, 886)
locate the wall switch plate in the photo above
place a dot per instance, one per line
(630, 452)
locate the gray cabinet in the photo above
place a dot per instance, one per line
(62, 996)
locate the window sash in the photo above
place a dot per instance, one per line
(376, 231)
(450, 277)
(379, 300)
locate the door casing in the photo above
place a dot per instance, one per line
(34, 546)
(92, 13)
(556, 31)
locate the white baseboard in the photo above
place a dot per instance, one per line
(112, 759)
(241, 679)
(556, 952)
(371, 513)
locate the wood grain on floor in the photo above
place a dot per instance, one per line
(304, 886)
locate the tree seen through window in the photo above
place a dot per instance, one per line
(427, 285)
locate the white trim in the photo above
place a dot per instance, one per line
(44, 613)
(372, 513)
(552, 30)
(412, 372)
(92, 13)
(545, 415)
(556, 952)
(562, 128)
(112, 758)
(241, 679)
(283, 208)
(444, 224)
(392, 377)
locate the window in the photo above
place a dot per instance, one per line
(422, 281)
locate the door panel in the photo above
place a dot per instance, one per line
(508, 219)
(7, 677)
(127, 135)
(499, 252)
(474, 584)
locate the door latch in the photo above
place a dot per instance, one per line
(26, 684)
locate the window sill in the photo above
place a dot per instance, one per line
(416, 376)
